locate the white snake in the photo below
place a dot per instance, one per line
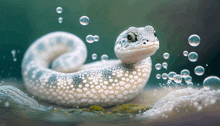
(70, 83)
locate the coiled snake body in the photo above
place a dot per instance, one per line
(70, 83)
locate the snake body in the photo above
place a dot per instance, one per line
(70, 83)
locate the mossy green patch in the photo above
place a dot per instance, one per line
(96, 108)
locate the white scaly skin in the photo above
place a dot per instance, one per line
(70, 83)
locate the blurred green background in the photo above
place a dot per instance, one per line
(23, 21)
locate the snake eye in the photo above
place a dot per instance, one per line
(131, 37)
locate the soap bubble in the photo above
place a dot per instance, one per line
(185, 73)
(84, 20)
(185, 53)
(190, 85)
(60, 20)
(158, 76)
(96, 38)
(166, 55)
(164, 76)
(94, 56)
(193, 56)
(177, 78)
(194, 40)
(158, 66)
(171, 75)
(211, 83)
(59, 10)
(89, 39)
(199, 70)
(164, 64)
(104, 57)
(188, 79)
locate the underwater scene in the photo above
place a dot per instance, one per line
(110, 62)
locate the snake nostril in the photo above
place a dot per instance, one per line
(147, 40)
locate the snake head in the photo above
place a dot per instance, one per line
(136, 44)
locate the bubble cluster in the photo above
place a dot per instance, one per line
(184, 73)
(164, 64)
(94, 56)
(13, 52)
(164, 76)
(185, 53)
(177, 78)
(193, 56)
(104, 57)
(158, 76)
(211, 83)
(89, 38)
(158, 66)
(199, 70)
(166, 55)
(59, 10)
(96, 38)
(194, 40)
(84, 20)
(60, 20)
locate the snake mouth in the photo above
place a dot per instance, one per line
(137, 46)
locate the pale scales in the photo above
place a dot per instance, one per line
(69, 83)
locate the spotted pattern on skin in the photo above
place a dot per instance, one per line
(70, 83)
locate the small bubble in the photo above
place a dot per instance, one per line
(158, 66)
(188, 79)
(206, 65)
(211, 82)
(13, 52)
(185, 53)
(84, 20)
(158, 76)
(6, 104)
(14, 59)
(94, 56)
(193, 56)
(184, 73)
(60, 20)
(190, 85)
(177, 78)
(166, 55)
(199, 70)
(164, 64)
(59, 10)
(164, 76)
(96, 38)
(194, 40)
(104, 57)
(171, 75)
(89, 39)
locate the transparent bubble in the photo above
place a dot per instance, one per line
(94, 56)
(158, 76)
(89, 39)
(206, 65)
(164, 76)
(158, 66)
(185, 53)
(13, 52)
(177, 78)
(166, 55)
(60, 20)
(188, 79)
(184, 73)
(59, 10)
(190, 85)
(199, 70)
(104, 57)
(84, 20)
(164, 64)
(211, 83)
(194, 40)
(193, 56)
(171, 75)
(96, 38)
